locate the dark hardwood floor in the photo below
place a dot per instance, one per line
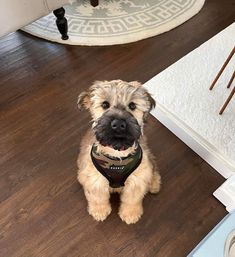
(42, 207)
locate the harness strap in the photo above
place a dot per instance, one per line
(116, 171)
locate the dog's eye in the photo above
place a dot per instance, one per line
(132, 106)
(105, 105)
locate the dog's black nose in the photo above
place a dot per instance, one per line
(118, 125)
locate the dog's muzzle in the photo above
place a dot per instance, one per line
(119, 132)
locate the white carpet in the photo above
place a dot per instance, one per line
(116, 21)
(187, 107)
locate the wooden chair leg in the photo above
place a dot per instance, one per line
(222, 68)
(61, 23)
(94, 3)
(227, 101)
(231, 80)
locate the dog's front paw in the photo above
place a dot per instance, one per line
(99, 212)
(130, 213)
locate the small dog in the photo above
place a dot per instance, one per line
(114, 156)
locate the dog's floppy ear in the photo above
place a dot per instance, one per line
(152, 104)
(150, 98)
(84, 100)
(151, 101)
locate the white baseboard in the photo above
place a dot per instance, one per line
(226, 194)
(194, 141)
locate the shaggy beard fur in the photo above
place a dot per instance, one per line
(119, 141)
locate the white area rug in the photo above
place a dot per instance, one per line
(116, 21)
(187, 107)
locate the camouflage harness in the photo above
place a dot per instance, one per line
(116, 170)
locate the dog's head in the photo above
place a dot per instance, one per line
(118, 109)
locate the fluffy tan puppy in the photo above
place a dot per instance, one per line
(114, 156)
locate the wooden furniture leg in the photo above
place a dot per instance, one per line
(61, 22)
(94, 3)
(222, 68)
(231, 80)
(227, 101)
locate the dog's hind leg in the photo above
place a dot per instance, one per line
(155, 183)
